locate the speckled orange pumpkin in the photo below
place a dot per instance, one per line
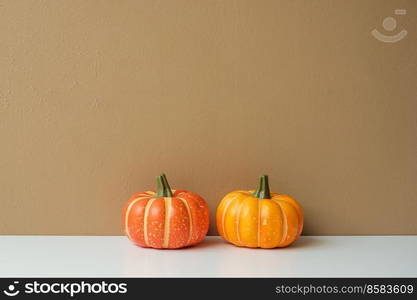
(259, 219)
(166, 218)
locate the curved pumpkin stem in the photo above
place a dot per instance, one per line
(263, 192)
(163, 189)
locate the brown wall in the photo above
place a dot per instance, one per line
(99, 97)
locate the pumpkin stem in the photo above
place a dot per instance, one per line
(163, 189)
(263, 192)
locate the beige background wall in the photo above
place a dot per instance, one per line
(98, 97)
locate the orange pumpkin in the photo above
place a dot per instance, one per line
(259, 219)
(166, 218)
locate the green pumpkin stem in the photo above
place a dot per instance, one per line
(263, 192)
(163, 189)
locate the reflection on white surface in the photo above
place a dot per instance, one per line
(115, 256)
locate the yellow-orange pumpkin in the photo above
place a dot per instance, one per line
(259, 219)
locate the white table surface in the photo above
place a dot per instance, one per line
(115, 256)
